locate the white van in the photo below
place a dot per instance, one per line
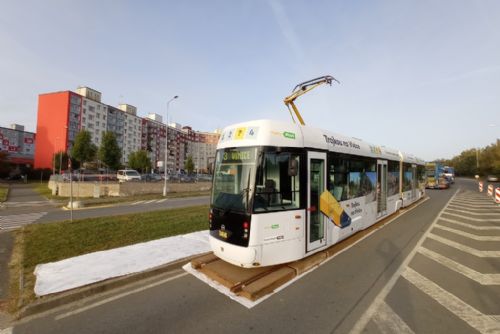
(128, 175)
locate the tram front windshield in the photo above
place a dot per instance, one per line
(255, 180)
(234, 177)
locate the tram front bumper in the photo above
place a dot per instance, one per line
(239, 256)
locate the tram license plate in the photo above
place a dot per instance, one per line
(223, 234)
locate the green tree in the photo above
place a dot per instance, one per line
(60, 160)
(489, 159)
(139, 161)
(189, 165)
(109, 152)
(83, 149)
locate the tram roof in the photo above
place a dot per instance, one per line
(284, 134)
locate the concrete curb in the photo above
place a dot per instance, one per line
(49, 302)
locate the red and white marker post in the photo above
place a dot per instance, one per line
(490, 190)
(480, 187)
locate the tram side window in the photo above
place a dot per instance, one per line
(392, 178)
(275, 188)
(362, 175)
(338, 177)
(351, 177)
(407, 177)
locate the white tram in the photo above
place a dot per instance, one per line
(282, 191)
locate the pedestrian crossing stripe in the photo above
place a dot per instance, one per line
(19, 220)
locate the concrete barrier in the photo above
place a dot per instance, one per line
(115, 189)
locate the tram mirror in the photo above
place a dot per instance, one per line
(293, 165)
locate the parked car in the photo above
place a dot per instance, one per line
(187, 178)
(151, 177)
(124, 175)
(492, 178)
(204, 177)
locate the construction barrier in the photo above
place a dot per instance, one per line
(490, 190)
(497, 195)
(480, 187)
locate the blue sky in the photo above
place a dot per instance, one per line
(420, 76)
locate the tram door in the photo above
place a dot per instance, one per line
(316, 221)
(414, 184)
(381, 188)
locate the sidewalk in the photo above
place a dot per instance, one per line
(6, 244)
(19, 192)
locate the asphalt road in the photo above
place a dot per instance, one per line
(126, 208)
(40, 210)
(363, 288)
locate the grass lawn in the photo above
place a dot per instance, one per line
(43, 243)
(4, 190)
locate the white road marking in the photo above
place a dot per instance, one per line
(493, 210)
(149, 202)
(473, 213)
(481, 205)
(138, 202)
(463, 248)
(472, 226)
(110, 299)
(465, 312)
(24, 204)
(485, 220)
(373, 308)
(471, 199)
(388, 321)
(162, 200)
(468, 235)
(16, 221)
(484, 279)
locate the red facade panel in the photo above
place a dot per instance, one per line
(51, 132)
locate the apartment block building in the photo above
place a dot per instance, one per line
(61, 115)
(201, 147)
(132, 131)
(153, 139)
(18, 144)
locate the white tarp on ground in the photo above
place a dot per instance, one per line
(94, 267)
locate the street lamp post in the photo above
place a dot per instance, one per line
(166, 150)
